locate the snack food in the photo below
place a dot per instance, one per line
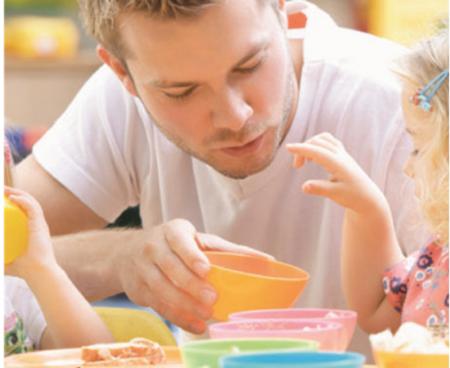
(136, 352)
(411, 338)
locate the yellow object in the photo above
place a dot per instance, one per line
(247, 283)
(127, 323)
(406, 21)
(40, 37)
(403, 360)
(16, 231)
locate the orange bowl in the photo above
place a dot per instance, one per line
(247, 283)
(386, 359)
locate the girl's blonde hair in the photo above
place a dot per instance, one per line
(427, 60)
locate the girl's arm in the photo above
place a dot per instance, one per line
(369, 247)
(369, 242)
(71, 321)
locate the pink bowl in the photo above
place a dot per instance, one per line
(347, 318)
(327, 334)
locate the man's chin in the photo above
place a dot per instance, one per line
(243, 172)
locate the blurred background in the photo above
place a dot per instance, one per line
(48, 55)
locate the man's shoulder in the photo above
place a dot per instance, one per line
(103, 82)
(103, 97)
(355, 53)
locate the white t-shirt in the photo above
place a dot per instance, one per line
(108, 152)
(24, 321)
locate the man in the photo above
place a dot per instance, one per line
(189, 119)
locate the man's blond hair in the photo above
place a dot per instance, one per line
(101, 16)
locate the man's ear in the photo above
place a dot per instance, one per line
(118, 68)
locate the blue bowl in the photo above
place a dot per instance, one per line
(293, 359)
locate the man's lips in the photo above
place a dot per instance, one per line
(246, 148)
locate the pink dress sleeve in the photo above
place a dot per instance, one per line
(417, 287)
(396, 280)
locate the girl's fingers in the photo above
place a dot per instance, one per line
(322, 188)
(10, 190)
(319, 155)
(27, 204)
(331, 139)
(326, 141)
(299, 161)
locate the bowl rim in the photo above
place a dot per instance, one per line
(377, 353)
(352, 357)
(305, 277)
(344, 314)
(198, 346)
(326, 325)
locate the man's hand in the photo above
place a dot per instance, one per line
(167, 272)
(348, 184)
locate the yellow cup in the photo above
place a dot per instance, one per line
(16, 231)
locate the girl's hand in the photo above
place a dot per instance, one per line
(348, 184)
(40, 251)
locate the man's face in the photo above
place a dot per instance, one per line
(221, 85)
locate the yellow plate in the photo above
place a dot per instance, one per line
(71, 358)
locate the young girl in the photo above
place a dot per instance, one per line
(57, 315)
(414, 288)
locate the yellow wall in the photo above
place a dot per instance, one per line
(405, 21)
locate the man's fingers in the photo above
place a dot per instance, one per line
(214, 242)
(177, 272)
(180, 235)
(145, 296)
(162, 291)
(184, 320)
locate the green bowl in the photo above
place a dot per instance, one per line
(206, 353)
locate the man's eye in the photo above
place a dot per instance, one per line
(250, 69)
(179, 96)
(415, 152)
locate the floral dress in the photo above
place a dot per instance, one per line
(24, 322)
(417, 287)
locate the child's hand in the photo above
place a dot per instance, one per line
(40, 250)
(348, 184)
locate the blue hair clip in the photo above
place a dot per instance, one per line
(424, 95)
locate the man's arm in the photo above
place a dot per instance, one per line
(89, 259)
(162, 267)
(63, 211)
(105, 262)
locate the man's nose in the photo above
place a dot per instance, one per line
(231, 110)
